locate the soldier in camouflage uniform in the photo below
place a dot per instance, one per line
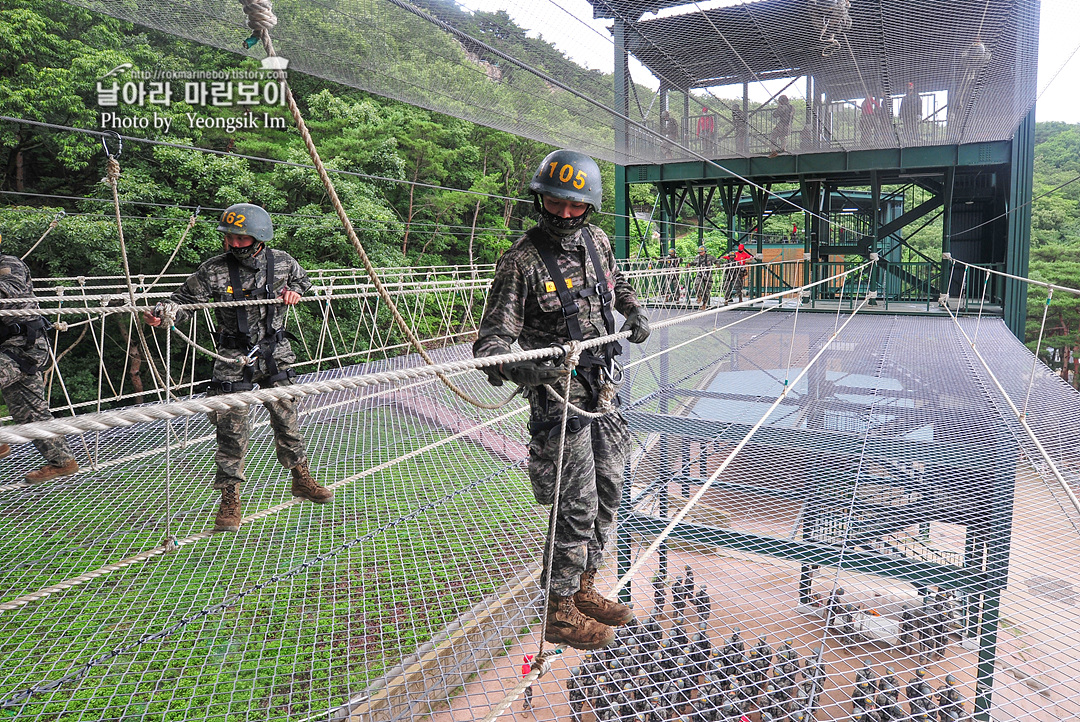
(703, 282)
(24, 352)
(250, 270)
(565, 264)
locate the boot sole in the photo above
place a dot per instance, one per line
(609, 622)
(226, 528)
(30, 481)
(556, 638)
(313, 501)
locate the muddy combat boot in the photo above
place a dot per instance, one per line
(5, 451)
(228, 514)
(305, 487)
(592, 604)
(566, 625)
(49, 471)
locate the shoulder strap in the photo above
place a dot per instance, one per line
(238, 295)
(569, 305)
(271, 309)
(603, 289)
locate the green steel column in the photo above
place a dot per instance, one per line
(700, 216)
(622, 214)
(1019, 240)
(622, 105)
(875, 228)
(946, 233)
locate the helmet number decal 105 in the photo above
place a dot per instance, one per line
(566, 173)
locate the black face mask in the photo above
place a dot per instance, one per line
(246, 252)
(560, 227)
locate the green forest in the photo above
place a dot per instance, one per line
(53, 57)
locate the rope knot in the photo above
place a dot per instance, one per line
(573, 356)
(166, 311)
(61, 326)
(260, 14)
(112, 170)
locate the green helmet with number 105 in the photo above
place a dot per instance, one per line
(569, 175)
(246, 219)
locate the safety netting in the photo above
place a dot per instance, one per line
(856, 501)
(705, 80)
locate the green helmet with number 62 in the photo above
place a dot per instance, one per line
(570, 176)
(246, 219)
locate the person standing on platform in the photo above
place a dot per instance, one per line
(706, 130)
(783, 115)
(559, 283)
(703, 279)
(741, 258)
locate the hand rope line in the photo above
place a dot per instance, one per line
(1038, 348)
(1021, 417)
(261, 19)
(22, 433)
(183, 235)
(54, 224)
(533, 675)
(571, 363)
(1032, 281)
(674, 320)
(125, 417)
(982, 305)
(112, 175)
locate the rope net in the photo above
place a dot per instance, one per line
(861, 75)
(892, 470)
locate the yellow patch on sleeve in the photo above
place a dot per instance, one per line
(549, 286)
(228, 290)
(569, 283)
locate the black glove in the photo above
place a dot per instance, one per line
(637, 325)
(495, 377)
(532, 373)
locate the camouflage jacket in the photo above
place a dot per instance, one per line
(211, 282)
(523, 305)
(704, 263)
(15, 283)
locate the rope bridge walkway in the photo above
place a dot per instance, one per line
(864, 493)
(779, 456)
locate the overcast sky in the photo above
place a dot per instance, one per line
(569, 25)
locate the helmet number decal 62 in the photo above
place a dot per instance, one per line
(233, 219)
(566, 173)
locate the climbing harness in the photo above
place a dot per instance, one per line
(266, 344)
(601, 373)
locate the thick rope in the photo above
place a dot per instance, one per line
(549, 547)
(22, 433)
(187, 229)
(54, 224)
(261, 19)
(112, 175)
(1038, 348)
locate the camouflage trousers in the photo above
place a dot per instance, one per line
(594, 460)
(24, 395)
(234, 429)
(703, 287)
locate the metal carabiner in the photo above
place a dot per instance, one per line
(119, 143)
(614, 372)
